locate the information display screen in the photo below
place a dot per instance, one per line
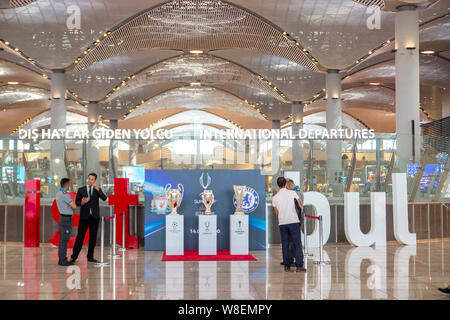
(9, 172)
(135, 174)
(428, 174)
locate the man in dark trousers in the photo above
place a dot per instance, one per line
(66, 208)
(289, 223)
(87, 198)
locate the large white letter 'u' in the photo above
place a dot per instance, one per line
(400, 208)
(377, 233)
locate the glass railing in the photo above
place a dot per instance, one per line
(363, 165)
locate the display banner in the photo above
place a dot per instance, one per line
(194, 182)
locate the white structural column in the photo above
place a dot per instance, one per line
(58, 113)
(334, 121)
(113, 154)
(93, 164)
(407, 93)
(446, 103)
(275, 155)
(297, 145)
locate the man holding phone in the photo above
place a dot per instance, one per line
(87, 198)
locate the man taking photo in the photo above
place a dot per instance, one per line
(284, 207)
(87, 198)
(290, 185)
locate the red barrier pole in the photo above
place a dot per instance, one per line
(32, 212)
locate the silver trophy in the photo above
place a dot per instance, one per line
(239, 194)
(174, 197)
(208, 200)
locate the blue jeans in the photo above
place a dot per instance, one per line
(291, 231)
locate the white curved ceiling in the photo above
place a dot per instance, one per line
(333, 32)
(196, 98)
(193, 117)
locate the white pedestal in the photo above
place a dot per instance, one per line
(239, 234)
(174, 235)
(207, 235)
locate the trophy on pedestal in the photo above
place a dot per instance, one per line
(174, 197)
(239, 194)
(208, 200)
(239, 240)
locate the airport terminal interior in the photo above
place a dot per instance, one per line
(188, 111)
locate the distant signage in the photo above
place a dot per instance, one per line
(226, 134)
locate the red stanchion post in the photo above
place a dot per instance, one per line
(321, 261)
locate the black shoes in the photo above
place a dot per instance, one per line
(299, 269)
(445, 290)
(292, 263)
(72, 260)
(66, 263)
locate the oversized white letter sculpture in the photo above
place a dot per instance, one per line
(377, 233)
(400, 208)
(322, 207)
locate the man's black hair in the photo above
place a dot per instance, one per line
(64, 182)
(281, 182)
(93, 174)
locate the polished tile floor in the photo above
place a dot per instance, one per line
(391, 272)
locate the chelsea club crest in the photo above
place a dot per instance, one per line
(250, 202)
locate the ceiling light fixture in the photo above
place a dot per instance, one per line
(195, 84)
(427, 52)
(196, 51)
(13, 82)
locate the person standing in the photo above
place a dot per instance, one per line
(88, 198)
(290, 185)
(66, 208)
(284, 207)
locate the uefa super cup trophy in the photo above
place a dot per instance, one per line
(239, 194)
(174, 197)
(208, 200)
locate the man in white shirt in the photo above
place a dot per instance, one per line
(284, 207)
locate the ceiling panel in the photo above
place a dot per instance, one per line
(295, 81)
(47, 31)
(202, 69)
(196, 98)
(335, 32)
(434, 71)
(196, 25)
(93, 83)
